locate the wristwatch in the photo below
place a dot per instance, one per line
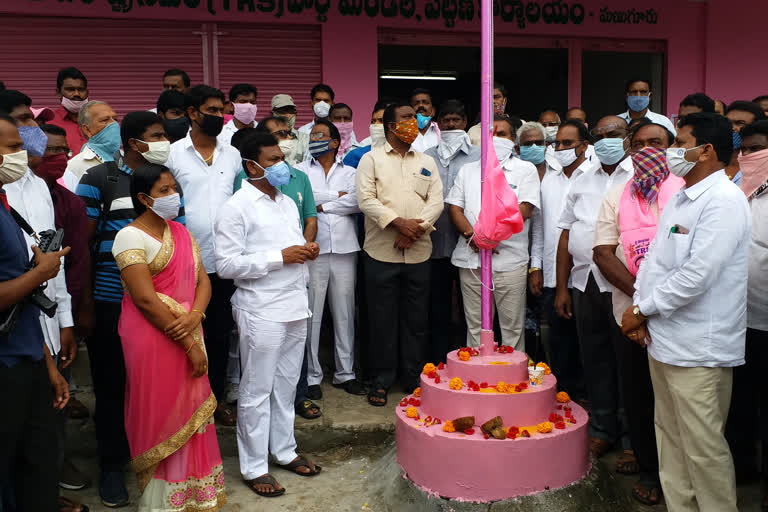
(637, 313)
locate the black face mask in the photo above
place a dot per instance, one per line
(176, 129)
(211, 125)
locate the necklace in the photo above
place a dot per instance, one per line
(149, 230)
(207, 160)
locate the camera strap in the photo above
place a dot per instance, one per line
(23, 224)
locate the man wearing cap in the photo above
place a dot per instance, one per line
(283, 106)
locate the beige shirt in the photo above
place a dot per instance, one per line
(391, 186)
(607, 233)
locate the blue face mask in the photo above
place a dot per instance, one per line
(736, 140)
(106, 142)
(533, 153)
(638, 103)
(33, 139)
(319, 148)
(422, 121)
(278, 174)
(610, 150)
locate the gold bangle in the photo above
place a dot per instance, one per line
(198, 311)
(533, 269)
(190, 346)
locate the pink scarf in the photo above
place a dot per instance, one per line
(754, 173)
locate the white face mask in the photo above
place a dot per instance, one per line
(158, 151)
(451, 141)
(566, 157)
(321, 109)
(166, 207)
(14, 166)
(677, 163)
(288, 147)
(504, 148)
(550, 132)
(377, 134)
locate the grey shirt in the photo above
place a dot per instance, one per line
(445, 236)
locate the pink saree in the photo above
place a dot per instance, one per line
(168, 413)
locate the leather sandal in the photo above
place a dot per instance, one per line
(265, 480)
(298, 462)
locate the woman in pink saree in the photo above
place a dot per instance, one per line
(169, 405)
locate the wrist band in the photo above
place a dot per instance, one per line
(198, 311)
(190, 346)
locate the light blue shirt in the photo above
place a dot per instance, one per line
(654, 118)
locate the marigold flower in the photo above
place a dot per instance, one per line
(455, 383)
(428, 368)
(501, 387)
(464, 356)
(448, 426)
(547, 370)
(417, 392)
(544, 427)
(412, 412)
(563, 397)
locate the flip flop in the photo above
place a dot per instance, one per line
(642, 493)
(304, 408)
(298, 462)
(265, 480)
(375, 393)
(627, 463)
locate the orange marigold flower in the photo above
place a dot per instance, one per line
(448, 426)
(547, 370)
(417, 392)
(412, 412)
(429, 368)
(464, 356)
(502, 387)
(544, 427)
(563, 397)
(455, 383)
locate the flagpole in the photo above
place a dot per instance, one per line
(486, 121)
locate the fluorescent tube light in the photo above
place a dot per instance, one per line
(416, 77)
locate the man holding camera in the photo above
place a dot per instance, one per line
(28, 440)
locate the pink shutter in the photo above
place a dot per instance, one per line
(124, 60)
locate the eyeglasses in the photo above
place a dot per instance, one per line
(540, 142)
(566, 143)
(547, 125)
(283, 134)
(317, 136)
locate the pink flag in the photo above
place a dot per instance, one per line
(500, 216)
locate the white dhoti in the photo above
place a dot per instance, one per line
(333, 275)
(271, 356)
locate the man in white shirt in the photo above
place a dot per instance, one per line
(335, 270)
(591, 297)
(243, 99)
(206, 170)
(510, 258)
(259, 244)
(429, 133)
(321, 99)
(691, 314)
(638, 97)
(93, 118)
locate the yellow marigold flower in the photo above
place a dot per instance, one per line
(502, 387)
(417, 392)
(544, 427)
(464, 356)
(429, 368)
(448, 426)
(412, 412)
(563, 397)
(547, 370)
(455, 383)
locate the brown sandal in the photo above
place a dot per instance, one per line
(598, 447)
(627, 463)
(225, 416)
(266, 480)
(647, 494)
(298, 462)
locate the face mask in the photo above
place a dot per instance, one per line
(211, 125)
(566, 157)
(73, 106)
(499, 109)
(176, 128)
(677, 163)
(52, 167)
(504, 148)
(423, 121)
(377, 134)
(638, 103)
(551, 133)
(610, 150)
(754, 169)
(13, 167)
(245, 112)
(278, 174)
(736, 140)
(321, 109)
(319, 148)
(106, 142)
(34, 140)
(345, 130)
(407, 131)
(533, 153)
(290, 120)
(158, 152)
(287, 146)
(166, 207)
(451, 141)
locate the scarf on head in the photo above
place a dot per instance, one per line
(650, 166)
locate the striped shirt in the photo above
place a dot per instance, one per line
(106, 191)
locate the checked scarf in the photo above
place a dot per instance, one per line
(650, 166)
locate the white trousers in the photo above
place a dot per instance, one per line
(509, 298)
(333, 275)
(271, 355)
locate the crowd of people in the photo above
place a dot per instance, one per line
(200, 247)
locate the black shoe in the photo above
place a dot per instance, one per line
(112, 489)
(352, 386)
(314, 392)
